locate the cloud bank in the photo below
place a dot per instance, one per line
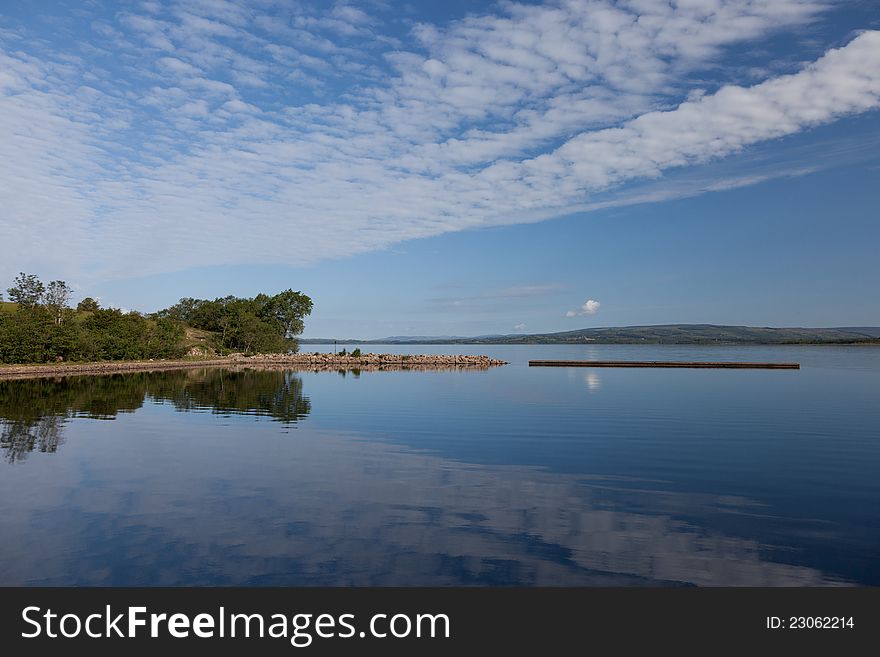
(217, 132)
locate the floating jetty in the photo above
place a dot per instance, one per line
(664, 363)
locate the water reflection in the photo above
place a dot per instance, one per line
(334, 509)
(185, 488)
(593, 381)
(277, 394)
(34, 412)
(18, 438)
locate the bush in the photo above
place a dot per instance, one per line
(110, 334)
(356, 353)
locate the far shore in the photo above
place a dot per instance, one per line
(301, 361)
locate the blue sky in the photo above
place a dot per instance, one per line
(453, 168)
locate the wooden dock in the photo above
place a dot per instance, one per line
(664, 363)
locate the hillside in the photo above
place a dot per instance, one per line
(661, 334)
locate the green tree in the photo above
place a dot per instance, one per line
(56, 298)
(260, 324)
(165, 339)
(88, 305)
(289, 309)
(25, 336)
(110, 334)
(181, 311)
(27, 290)
(249, 333)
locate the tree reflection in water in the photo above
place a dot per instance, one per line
(33, 412)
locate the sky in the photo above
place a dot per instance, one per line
(454, 168)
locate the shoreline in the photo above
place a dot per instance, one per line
(302, 361)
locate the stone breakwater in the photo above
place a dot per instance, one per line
(303, 361)
(403, 360)
(318, 362)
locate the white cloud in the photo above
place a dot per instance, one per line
(519, 327)
(590, 307)
(209, 156)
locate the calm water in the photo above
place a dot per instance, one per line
(512, 476)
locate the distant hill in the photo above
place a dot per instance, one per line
(661, 334)
(873, 331)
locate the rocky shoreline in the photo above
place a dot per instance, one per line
(302, 361)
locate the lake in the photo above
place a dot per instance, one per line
(508, 476)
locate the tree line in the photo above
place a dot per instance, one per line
(265, 324)
(39, 325)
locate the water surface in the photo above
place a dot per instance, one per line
(510, 476)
